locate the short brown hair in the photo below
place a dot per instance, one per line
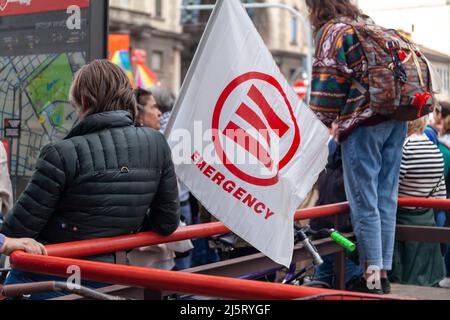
(322, 11)
(102, 86)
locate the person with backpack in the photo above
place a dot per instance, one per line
(370, 81)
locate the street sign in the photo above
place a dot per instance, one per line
(138, 57)
(12, 128)
(300, 89)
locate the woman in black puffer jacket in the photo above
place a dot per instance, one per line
(106, 178)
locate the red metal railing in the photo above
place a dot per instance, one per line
(107, 245)
(57, 262)
(161, 280)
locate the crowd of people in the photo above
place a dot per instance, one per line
(113, 174)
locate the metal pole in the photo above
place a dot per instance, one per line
(293, 11)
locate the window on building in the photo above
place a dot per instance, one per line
(292, 73)
(125, 3)
(444, 74)
(446, 80)
(294, 30)
(190, 17)
(158, 8)
(156, 62)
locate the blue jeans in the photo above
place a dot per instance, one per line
(441, 217)
(19, 277)
(371, 159)
(325, 272)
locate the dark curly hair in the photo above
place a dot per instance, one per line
(322, 11)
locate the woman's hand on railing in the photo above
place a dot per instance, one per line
(25, 244)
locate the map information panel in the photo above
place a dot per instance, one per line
(42, 44)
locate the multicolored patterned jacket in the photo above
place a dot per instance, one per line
(338, 62)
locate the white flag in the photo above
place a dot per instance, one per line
(241, 140)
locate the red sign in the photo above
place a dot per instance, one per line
(18, 7)
(138, 56)
(12, 128)
(245, 140)
(118, 42)
(301, 89)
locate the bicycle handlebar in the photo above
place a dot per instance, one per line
(342, 241)
(308, 245)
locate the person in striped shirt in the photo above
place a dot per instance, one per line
(421, 176)
(422, 167)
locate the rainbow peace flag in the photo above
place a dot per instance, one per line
(145, 77)
(122, 59)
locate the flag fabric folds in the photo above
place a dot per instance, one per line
(145, 77)
(122, 59)
(241, 139)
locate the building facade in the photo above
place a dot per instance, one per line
(428, 22)
(283, 34)
(154, 26)
(171, 36)
(441, 64)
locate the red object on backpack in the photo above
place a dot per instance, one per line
(420, 101)
(402, 55)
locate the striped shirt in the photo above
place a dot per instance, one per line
(165, 121)
(422, 169)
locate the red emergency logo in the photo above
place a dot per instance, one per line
(251, 103)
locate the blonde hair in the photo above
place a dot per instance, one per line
(418, 126)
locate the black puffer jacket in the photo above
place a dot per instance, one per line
(107, 178)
